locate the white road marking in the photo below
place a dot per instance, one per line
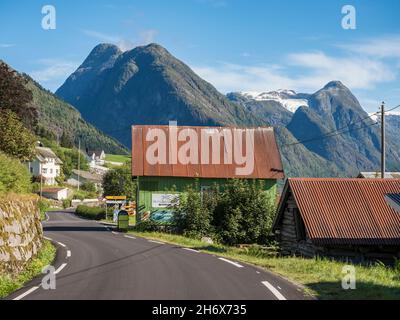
(113, 232)
(61, 244)
(275, 292)
(258, 272)
(192, 250)
(231, 262)
(60, 268)
(47, 217)
(130, 237)
(68, 253)
(26, 293)
(153, 241)
(47, 238)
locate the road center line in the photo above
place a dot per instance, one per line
(60, 268)
(68, 253)
(26, 293)
(130, 237)
(192, 250)
(113, 232)
(275, 292)
(153, 241)
(47, 238)
(231, 262)
(61, 244)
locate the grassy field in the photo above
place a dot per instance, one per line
(321, 278)
(9, 284)
(117, 158)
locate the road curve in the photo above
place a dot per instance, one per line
(96, 263)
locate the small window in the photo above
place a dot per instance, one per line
(44, 170)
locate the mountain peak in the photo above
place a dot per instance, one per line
(335, 85)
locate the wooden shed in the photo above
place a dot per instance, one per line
(339, 217)
(161, 180)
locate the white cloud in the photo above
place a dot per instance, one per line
(382, 47)
(313, 70)
(147, 36)
(144, 37)
(6, 45)
(53, 71)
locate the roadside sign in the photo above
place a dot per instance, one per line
(115, 201)
(116, 197)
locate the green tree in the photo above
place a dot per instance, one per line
(192, 215)
(244, 213)
(66, 141)
(89, 187)
(14, 96)
(15, 140)
(14, 176)
(118, 182)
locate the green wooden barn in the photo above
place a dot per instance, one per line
(167, 159)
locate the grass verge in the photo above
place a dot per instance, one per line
(117, 158)
(321, 277)
(11, 283)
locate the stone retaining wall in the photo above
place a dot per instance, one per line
(21, 233)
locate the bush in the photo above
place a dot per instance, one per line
(192, 215)
(89, 187)
(148, 226)
(244, 213)
(67, 203)
(14, 176)
(240, 214)
(91, 213)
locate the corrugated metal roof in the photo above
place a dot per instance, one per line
(267, 161)
(348, 211)
(393, 199)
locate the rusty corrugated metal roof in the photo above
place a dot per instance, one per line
(348, 211)
(393, 200)
(267, 160)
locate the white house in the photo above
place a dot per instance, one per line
(45, 164)
(56, 193)
(95, 157)
(80, 177)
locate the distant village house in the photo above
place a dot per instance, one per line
(45, 165)
(95, 156)
(80, 177)
(339, 218)
(56, 193)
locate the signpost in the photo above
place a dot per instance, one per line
(120, 200)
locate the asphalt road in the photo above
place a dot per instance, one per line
(94, 262)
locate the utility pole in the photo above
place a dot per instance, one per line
(383, 145)
(79, 162)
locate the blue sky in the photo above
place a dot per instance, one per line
(237, 45)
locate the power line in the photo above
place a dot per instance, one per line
(330, 136)
(338, 131)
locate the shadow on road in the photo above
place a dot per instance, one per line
(74, 229)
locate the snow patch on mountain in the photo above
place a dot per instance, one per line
(289, 99)
(374, 116)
